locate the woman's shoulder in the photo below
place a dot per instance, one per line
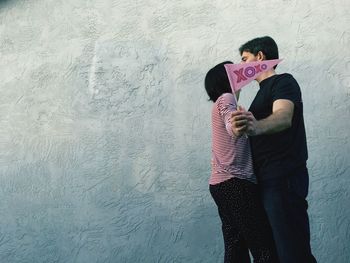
(226, 97)
(226, 100)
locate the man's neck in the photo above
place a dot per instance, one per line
(265, 75)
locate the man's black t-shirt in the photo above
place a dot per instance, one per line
(280, 153)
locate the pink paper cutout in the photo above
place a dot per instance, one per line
(240, 75)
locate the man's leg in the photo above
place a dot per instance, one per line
(298, 186)
(286, 207)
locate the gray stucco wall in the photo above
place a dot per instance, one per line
(105, 126)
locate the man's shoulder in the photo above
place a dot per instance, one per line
(278, 79)
(285, 79)
(285, 76)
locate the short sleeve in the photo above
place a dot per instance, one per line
(286, 87)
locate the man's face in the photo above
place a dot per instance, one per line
(248, 57)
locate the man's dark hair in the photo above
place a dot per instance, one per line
(265, 44)
(216, 81)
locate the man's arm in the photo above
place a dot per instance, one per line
(279, 120)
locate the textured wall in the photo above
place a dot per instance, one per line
(105, 127)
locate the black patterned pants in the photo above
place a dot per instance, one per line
(244, 222)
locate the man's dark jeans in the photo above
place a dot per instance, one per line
(286, 208)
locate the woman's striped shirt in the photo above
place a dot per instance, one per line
(231, 155)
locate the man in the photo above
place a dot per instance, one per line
(275, 125)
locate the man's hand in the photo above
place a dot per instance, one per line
(239, 121)
(253, 127)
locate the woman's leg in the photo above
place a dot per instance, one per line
(224, 195)
(236, 249)
(254, 225)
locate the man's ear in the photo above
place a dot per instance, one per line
(260, 56)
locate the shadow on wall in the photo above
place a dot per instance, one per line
(3, 3)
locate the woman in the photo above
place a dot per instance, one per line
(232, 183)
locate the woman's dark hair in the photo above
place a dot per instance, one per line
(216, 81)
(265, 44)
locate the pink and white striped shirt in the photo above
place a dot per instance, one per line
(231, 155)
